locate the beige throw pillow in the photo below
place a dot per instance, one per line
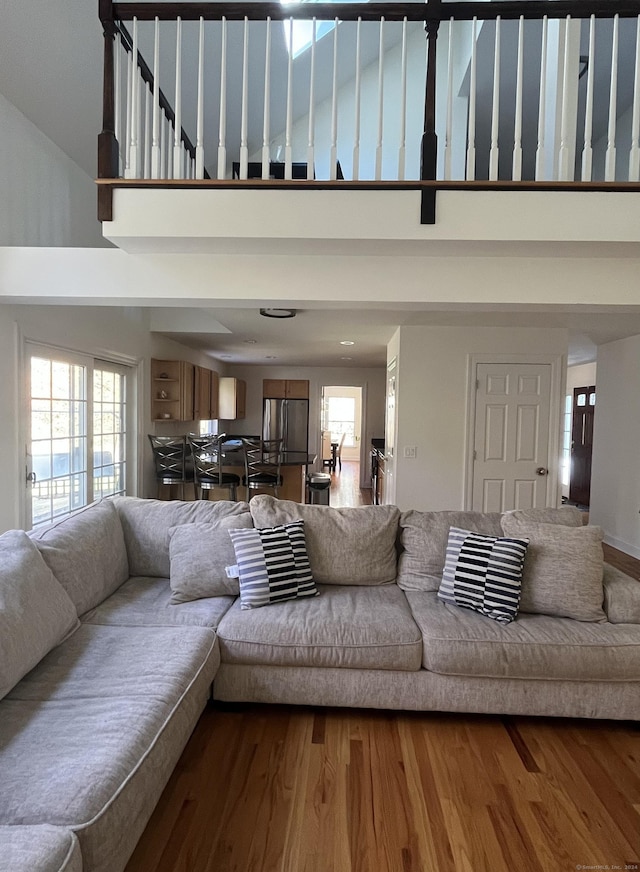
(567, 515)
(200, 554)
(562, 570)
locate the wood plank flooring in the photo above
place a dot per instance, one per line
(286, 789)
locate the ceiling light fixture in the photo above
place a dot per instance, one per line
(347, 342)
(278, 313)
(249, 341)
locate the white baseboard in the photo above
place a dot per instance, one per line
(622, 546)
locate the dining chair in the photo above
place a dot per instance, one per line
(338, 454)
(171, 460)
(262, 461)
(207, 455)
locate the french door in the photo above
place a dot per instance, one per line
(78, 432)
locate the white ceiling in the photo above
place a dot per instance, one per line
(50, 69)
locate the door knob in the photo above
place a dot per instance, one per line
(541, 470)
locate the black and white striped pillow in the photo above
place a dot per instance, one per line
(273, 564)
(483, 573)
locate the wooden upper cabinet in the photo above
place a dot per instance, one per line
(213, 396)
(172, 394)
(232, 398)
(202, 394)
(290, 389)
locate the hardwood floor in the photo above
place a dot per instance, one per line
(286, 789)
(345, 486)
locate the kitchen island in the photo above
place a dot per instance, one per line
(293, 470)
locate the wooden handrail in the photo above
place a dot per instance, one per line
(434, 10)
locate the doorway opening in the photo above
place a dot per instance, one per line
(341, 427)
(583, 407)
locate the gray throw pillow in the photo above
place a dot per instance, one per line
(424, 543)
(36, 613)
(200, 554)
(562, 571)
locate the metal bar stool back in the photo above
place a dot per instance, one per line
(171, 461)
(207, 453)
(262, 461)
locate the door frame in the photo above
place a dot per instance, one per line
(558, 365)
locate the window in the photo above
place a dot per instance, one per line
(77, 433)
(566, 442)
(298, 35)
(340, 418)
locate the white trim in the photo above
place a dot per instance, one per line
(365, 473)
(558, 372)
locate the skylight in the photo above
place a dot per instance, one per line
(298, 35)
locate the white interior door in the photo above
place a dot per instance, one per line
(512, 447)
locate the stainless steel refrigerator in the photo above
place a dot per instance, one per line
(287, 420)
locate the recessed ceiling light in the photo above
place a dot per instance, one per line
(347, 342)
(226, 356)
(346, 358)
(278, 313)
(270, 357)
(249, 341)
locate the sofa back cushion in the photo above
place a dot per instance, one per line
(568, 516)
(146, 525)
(345, 546)
(563, 569)
(86, 553)
(424, 537)
(621, 596)
(35, 612)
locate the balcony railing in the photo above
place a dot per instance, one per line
(544, 93)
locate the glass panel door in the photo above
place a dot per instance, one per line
(109, 430)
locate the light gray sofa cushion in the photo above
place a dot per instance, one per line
(89, 738)
(349, 627)
(35, 611)
(39, 849)
(461, 642)
(568, 516)
(562, 570)
(345, 546)
(200, 554)
(86, 553)
(146, 525)
(146, 601)
(424, 542)
(621, 596)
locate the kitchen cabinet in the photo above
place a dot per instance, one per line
(205, 394)
(232, 398)
(379, 494)
(172, 384)
(285, 389)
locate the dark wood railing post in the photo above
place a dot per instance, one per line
(108, 157)
(429, 151)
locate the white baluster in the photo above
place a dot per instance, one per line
(177, 106)
(155, 144)
(162, 172)
(222, 125)
(449, 123)
(355, 174)
(244, 122)
(564, 170)
(267, 104)
(542, 104)
(127, 128)
(378, 175)
(134, 167)
(516, 172)
(288, 170)
(402, 151)
(495, 113)
(333, 158)
(634, 153)
(199, 159)
(610, 158)
(146, 169)
(471, 144)
(587, 151)
(312, 87)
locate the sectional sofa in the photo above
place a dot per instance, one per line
(118, 623)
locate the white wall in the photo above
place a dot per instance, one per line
(108, 332)
(432, 402)
(371, 379)
(615, 477)
(46, 198)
